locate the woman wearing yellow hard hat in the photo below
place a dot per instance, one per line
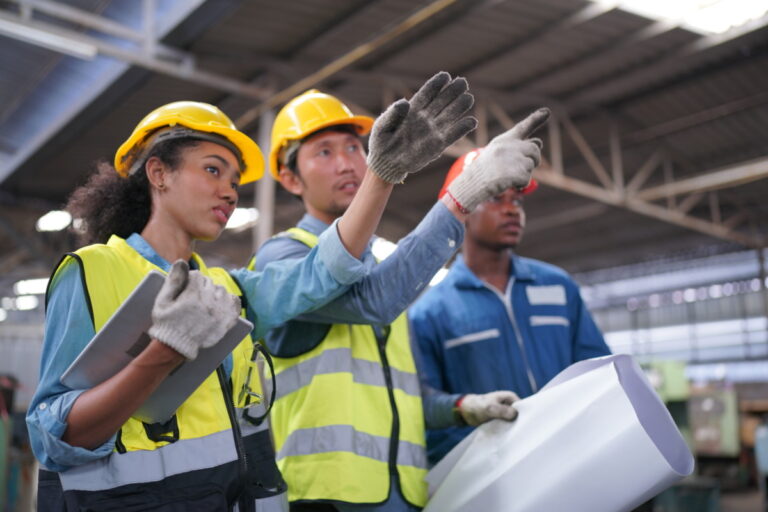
(174, 181)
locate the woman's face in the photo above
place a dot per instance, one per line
(201, 194)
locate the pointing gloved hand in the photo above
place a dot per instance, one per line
(412, 133)
(191, 312)
(477, 409)
(507, 161)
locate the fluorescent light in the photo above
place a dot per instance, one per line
(243, 218)
(3, 315)
(21, 303)
(31, 286)
(706, 16)
(26, 302)
(55, 220)
(47, 40)
(382, 248)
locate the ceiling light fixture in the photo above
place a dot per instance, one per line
(704, 16)
(31, 286)
(55, 220)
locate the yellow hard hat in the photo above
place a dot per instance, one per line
(307, 113)
(200, 117)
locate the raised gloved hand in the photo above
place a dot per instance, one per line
(507, 161)
(191, 312)
(477, 409)
(412, 133)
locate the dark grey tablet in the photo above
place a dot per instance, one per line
(124, 336)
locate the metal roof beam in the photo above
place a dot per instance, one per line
(186, 16)
(700, 117)
(732, 176)
(547, 176)
(99, 23)
(185, 70)
(645, 171)
(565, 217)
(614, 194)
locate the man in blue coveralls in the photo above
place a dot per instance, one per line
(498, 320)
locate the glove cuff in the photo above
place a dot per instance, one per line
(388, 173)
(465, 211)
(175, 339)
(458, 417)
(467, 192)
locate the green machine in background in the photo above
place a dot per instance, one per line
(669, 380)
(714, 418)
(695, 492)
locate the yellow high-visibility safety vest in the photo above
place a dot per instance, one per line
(347, 412)
(200, 437)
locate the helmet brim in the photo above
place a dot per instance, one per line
(363, 124)
(252, 157)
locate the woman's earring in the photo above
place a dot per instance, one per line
(161, 186)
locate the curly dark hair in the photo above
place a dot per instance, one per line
(109, 204)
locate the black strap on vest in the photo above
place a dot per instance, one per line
(258, 347)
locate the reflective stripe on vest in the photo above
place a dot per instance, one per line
(151, 465)
(332, 419)
(337, 360)
(205, 436)
(344, 438)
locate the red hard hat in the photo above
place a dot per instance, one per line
(465, 160)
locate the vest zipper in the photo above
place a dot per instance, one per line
(241, 456)
(381, 343)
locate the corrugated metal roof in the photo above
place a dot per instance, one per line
(700, 100)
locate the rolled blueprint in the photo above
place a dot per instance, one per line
(596, 438)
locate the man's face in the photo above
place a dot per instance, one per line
(498, 223)
(331, 167)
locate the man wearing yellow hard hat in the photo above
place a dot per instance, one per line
(349, 417)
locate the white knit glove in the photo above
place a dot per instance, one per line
(191, 312)
(412, 133)
(477, 409)
(507, 161)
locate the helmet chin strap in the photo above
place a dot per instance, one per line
(141, 151)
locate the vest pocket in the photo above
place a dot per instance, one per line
(200, 498)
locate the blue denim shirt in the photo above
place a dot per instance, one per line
(274, 295)
(379, 298)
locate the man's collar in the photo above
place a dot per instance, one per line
(312, 224)
(465, 278)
